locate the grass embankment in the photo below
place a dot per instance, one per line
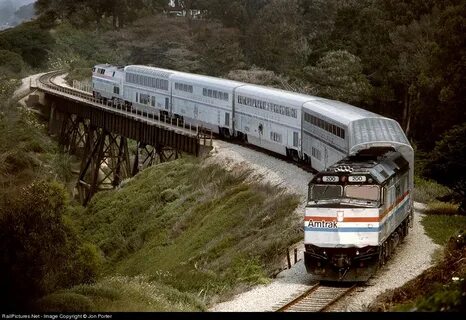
(182, 235)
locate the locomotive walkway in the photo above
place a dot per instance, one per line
(99, 133)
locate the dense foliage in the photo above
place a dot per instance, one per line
(40, 250)
(401, 59)
(29, 41)
(448, 161)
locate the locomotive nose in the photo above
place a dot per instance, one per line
(341, 260)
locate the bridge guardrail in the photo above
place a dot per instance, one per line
(202, 134)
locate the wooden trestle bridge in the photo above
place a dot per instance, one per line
(98, 133)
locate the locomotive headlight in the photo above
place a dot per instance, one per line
(357, 252)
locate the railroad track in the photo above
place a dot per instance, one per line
(319, 298)
(48, 80)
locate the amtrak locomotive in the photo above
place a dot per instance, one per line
(360, 202)
(359, 209)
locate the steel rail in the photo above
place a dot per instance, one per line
(316, 300)
(299, 298)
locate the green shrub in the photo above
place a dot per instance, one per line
(11, 64)
(169, 195)
(428, 190)
(442, 208)
(439, 288)
(79, 74)
(41, 252)
(120, 293)
(30, 41)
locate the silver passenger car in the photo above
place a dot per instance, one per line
(205, 101)
(148, 89)
(271, 118)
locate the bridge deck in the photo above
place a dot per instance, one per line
(192, 131)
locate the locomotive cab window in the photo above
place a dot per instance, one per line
(325, 192)
(363, 192)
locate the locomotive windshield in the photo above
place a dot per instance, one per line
(325, 192)
(364, 192)
(350, 194)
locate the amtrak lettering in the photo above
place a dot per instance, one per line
(322, 224)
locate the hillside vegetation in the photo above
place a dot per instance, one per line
(41, 250)
(196, 231)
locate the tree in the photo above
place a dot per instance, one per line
(256, 75)
(274, 39)
(156, 6)
(40, 251)
(58, 9)
(260, 76)
(219, 48)
(338, 75)
(429, 72)
(415, 46)
(449, 65)
(82, 12)
(232, 13)
(29, 41)
(447, 162)
(318, 18)
(10, 63)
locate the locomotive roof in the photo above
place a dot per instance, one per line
(381, 166)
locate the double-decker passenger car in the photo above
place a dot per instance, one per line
(205, 101)
(270, 118)
(148, 89)
(326, 125)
